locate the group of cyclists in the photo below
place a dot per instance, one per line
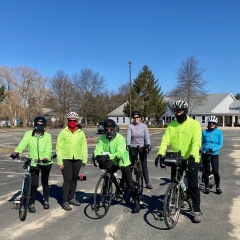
(113, 152)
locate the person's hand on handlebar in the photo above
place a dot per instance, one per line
(159, 160)
(45, 160)
(14, 155)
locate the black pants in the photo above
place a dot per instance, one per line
(35, 171)
(143, 158)
(127, 176)
(70, 173)
(207, 162)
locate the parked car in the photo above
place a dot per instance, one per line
(100, 127)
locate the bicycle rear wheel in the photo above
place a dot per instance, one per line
(211, 180)
(138, 177)
(23, 206)
(103, 196)
(172, 205)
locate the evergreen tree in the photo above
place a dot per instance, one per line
(146, 95)
(237, 96)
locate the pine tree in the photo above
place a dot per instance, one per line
(146, 95)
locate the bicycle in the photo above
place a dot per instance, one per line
(103, 194)
(22, 201)
(137, 171)
(176, 194)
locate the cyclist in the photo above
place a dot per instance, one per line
(138, 135)
(184, 134)
(39, 144)
(72, 154)
(111, 151)
(212, 142)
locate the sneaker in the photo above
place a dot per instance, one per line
(218, 190)
(74, 202)
(197, 217)
(206, 190)
(66, 206)
(149, 186)
(46, 205)
(31, 208)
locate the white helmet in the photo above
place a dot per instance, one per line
(213, 119)
(72, 115)
(180, 104)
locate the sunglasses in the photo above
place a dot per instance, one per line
(109, 129)
(38, 124)
(72, 120)
(212, 123)
(135, 117)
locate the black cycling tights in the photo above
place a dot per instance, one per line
(214, 161)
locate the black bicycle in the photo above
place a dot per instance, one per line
(137, 171)
(105, 193)
(22, 201)
(176, 196)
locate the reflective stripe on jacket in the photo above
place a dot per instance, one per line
(185, 137)
(38, 147)
(71, 145)
(116, 148)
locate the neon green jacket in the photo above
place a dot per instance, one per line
(38, 148)
(185, 137)
(71, 145)
(116, 148)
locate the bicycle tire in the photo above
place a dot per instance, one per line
(172, 205)
(23, 206)
(139, 177)
(211, 180)
(103, 196)
(127, 195)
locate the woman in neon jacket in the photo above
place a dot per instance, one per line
(212, 142)
(72, 154)
(39, 144)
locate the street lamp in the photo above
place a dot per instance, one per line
(130, 82)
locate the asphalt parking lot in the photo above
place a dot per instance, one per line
(220, 212)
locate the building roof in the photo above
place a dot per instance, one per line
(118, 111)
(211, 102)
(235, 105)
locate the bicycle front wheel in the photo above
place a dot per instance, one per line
(172, 205)
(23, 206)
(103, 196)
(138, 177)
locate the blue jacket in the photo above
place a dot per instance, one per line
(212, 139)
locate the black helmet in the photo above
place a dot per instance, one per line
(135, 112)
(40, 119)
(109, 123)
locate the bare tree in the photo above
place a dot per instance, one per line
(89, 85)
(62, 97)
(190, 83)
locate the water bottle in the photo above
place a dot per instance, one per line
(117, 178)
(183, 186)
(185, 180)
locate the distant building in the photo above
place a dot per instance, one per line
(224, 106)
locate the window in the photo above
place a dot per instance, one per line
(123, 119)
(203, 119)
(117, 119)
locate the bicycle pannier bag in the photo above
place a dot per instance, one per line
(172, 158)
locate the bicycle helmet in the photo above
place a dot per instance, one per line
(180, 104)
(72, 115)
(41, 120)
(135, 112)
(213, 119)
(109, 123)
(110, 133)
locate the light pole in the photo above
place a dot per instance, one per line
(130, 83)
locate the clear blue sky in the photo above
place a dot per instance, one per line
(70, 35)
